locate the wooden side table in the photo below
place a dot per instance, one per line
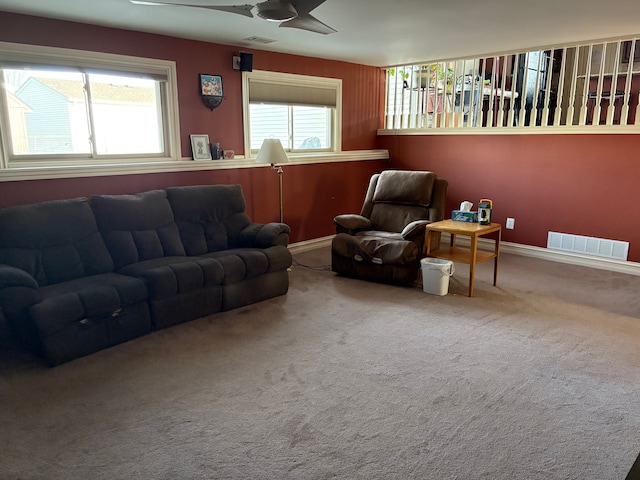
(470, 255)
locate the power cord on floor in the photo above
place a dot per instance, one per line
(318, 268)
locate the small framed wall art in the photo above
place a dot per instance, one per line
(200, 147)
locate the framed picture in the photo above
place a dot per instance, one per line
(200, 147)
(211, 85)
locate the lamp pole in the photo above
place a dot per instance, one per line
(279, 170)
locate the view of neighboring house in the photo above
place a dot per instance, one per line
(54, 115)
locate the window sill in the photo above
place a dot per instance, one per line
(13, 174)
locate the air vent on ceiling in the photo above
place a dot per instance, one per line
(259, 40)
(600, 247)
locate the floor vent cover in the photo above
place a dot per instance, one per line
(600, 247)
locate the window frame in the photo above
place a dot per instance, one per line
(41, 56)
(297, 81)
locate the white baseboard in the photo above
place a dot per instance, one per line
(620, 266)
(307, 245)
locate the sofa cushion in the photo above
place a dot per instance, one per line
(70, 302)
(137, 227)
(169, 276)
(53, 241)
(243, 263)
(210, 217)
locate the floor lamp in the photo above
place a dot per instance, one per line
(273, 153)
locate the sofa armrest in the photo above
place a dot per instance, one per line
(15, 277)
(351, 223)
(264, 235)
(18, 292)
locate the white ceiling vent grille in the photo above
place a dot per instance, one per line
(255, 39)
(600, 247)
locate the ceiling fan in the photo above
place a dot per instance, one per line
(293, 14)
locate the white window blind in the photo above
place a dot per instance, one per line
(302, 111)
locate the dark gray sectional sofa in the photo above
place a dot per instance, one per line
(80, 275)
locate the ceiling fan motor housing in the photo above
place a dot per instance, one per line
(276, 10)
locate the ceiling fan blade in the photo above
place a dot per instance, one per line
(310, 23)
(239, 9)
(305, 6)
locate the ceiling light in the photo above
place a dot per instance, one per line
(276, 11)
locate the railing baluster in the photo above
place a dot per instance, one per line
(512, 89)
(627, 87)
(522, 114)
(533, 121)
(480, 118)
(560, 97)
(597, 108)
(547, 89)
(611, 109)
(503, 84)
(490, 112)
(585, 89)
(574, 87)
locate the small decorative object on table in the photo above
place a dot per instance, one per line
(216, 151)
(200, 147)
(484, 211)
(229, 154)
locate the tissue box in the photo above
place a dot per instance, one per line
(460, 216)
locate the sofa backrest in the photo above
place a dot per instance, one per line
(209, 217)
(396, 198)
(53, 241)
(137, 227)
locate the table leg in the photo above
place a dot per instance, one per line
(427, 246)
(495, 260)
(473, 251)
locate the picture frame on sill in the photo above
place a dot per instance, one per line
(200, 149)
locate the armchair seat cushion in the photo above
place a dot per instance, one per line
(382, 248)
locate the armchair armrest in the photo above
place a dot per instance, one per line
(264, 235)
(351, 223)
(414, 229)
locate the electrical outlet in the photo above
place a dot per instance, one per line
(511, 223)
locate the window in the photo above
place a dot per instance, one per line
(61, 106)
(302, 111)
(589, 87)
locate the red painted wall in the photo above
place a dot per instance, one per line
(579, 184)
(313, 194)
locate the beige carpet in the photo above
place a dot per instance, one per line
(538, 378)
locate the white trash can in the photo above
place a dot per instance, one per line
(435, 275)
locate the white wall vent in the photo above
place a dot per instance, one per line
(600, 247)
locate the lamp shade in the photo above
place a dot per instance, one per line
(272, 152)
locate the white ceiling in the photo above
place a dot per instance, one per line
(370, 32)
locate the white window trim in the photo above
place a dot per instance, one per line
(81, 58)
(294, 80)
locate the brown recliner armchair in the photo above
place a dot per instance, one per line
(385, 242)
